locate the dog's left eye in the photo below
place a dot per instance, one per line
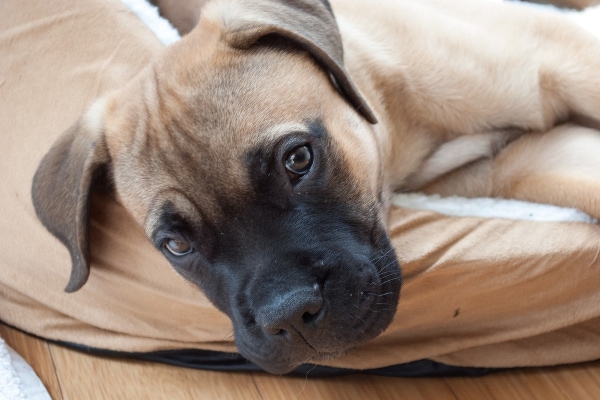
(299, 160)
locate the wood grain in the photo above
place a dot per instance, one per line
(83, 376)
(37, 354)
(69, 374)
(580, 382)
(353, 387)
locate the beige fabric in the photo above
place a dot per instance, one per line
(55, 59)
(496, 293)
(477, 292)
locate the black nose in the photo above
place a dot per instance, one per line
(292, 311)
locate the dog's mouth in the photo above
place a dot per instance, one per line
(282, 355)
(276, 368)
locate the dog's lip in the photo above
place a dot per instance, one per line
(285, 368)
(275, 367)
(279, 369)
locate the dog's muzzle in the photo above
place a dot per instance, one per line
(314, 312)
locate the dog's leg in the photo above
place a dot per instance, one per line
(564, 62)
(561, 167)
(570, 77)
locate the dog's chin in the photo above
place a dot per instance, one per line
(274, 360)
(276, 367)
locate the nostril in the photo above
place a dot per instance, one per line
(274, 331)
(308, 317)
(294, 311)
(312, 310)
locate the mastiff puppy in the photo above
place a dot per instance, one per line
(259, 153)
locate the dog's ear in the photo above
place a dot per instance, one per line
(62, 188)
(308, 23)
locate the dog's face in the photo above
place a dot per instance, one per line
(260, 184)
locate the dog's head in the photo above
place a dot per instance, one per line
(242, 154)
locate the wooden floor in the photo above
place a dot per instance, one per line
(68, 374)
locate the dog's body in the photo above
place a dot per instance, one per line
(458, 94)
(263, 174)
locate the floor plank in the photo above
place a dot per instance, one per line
(353, 387)
(83, 376)
(578, 382)
(37, 354)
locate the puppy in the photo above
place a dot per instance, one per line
(259, 152)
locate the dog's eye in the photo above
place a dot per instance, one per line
(299, 160)
(177, 247)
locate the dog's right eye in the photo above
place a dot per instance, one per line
(299, 160)
(177, 247)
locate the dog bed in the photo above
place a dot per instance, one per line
(479, 292)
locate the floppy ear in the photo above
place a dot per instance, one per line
(62, 188)
(308, 23)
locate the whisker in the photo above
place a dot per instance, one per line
(376, 257)
(393, 262)
(305, 380)
(390, 280)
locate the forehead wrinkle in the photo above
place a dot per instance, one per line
(263, 84)
(276, 131)
(182, 203)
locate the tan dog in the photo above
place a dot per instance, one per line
(259, 153)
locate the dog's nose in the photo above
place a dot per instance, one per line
(292, 311)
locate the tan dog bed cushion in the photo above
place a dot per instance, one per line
(477, 292)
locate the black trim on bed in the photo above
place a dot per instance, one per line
(234, 362)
